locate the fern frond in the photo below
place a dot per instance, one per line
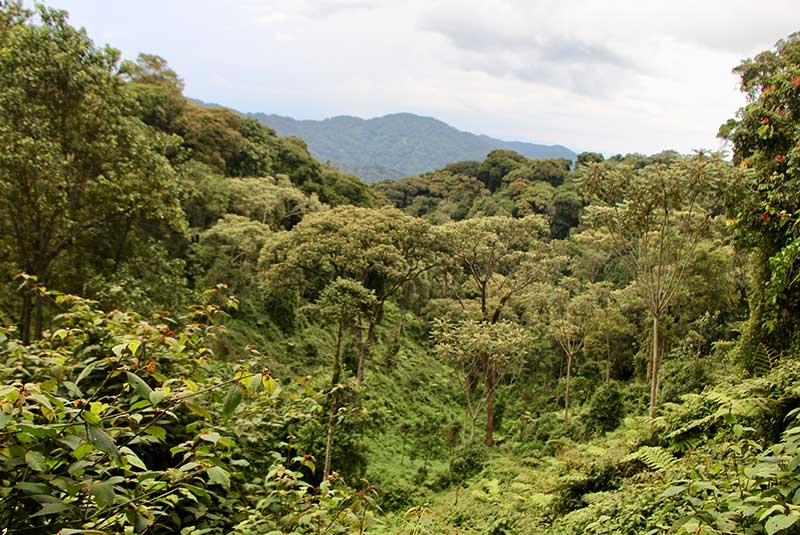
(655, 458)
(765, 359)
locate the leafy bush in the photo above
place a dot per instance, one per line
(114, 423)
(605, 410)
(467, 461)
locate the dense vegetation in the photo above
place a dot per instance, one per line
(204, 330)
(397, 145)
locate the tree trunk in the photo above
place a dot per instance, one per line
(608, 354)
(469, 420)
(558, 380)
(39, 323)
(332, 408)
(490, 377)
(654, 369)
(566, 392)
(364, 349)
(26, 317)
(326, 471)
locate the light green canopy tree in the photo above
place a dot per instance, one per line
(346, 305)
(271, 201)
(382, 249)
(565, 312)
(488, 262)
(656, 216)
(496, 350)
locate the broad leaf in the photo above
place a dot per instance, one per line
(139, 386)
(36, 461)
(219, 476)
(103, 441)
(780, 522)
(232, 401)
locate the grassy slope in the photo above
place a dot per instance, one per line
(614, 483)
(539, 479)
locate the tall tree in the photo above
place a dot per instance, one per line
(382, 249)
(766, 140)
(657, 215)
(345, 304)
(565, 312)
(494, 259)
(76, 172)
(495, 350)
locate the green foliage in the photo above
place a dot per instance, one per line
(228, 253)
(605, 409)
(657, 215)
(83, 186)
(765, 137)
(271, 202)
(156, 90)
(112, 421)
(467, 461)
(496, 286)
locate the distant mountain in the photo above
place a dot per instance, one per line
(397, 145)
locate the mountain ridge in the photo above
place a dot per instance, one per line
(397, 144)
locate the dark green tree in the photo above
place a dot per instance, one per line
(766, 140)
(77, 174)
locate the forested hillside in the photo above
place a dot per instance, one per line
(204, 330)
(397, 145)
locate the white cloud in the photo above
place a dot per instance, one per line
(615, 76)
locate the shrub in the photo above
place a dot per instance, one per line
(467, 461)
(605, 409)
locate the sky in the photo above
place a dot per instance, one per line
(613, 76)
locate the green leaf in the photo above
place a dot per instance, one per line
(199, 411)
(82, 450)
(255, 383)
(133, 346)
(780, 522)
(141, 523)
(68, 531)
(308, 463)
(673, 491)
(39, 431)
(269, 384)
(232, 401)
(4, 419)
(103, 493)
(134, 460)
(36, 461)
(156, 431)
(212, 437)
(103, 441)
(52, 508)
(139, 386)
(85, 372)
(78, 466)
(219, 476)
(157, 396)
(188, 467)
(33, 488)
(91, 418)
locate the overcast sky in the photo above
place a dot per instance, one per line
(611, 76)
